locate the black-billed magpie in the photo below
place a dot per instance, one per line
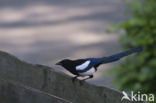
(86, 67)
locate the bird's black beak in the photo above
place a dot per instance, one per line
(58, 63)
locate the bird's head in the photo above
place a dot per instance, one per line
(63, 62)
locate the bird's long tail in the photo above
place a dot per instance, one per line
(118, 56)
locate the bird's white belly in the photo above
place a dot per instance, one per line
(89, 72)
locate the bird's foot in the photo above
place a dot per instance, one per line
(74, 78)
(81, 82)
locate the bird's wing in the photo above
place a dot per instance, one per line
(88, 64)
(83, 66)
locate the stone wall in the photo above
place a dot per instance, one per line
(38, 83)
(12, 92)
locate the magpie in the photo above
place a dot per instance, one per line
(87, 66)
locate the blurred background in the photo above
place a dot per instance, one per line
(46, 31)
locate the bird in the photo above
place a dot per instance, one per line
(88, 66)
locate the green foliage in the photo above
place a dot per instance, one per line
(138, 72)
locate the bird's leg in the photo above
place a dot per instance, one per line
(74, 78)
(81, 81)
(91, 76)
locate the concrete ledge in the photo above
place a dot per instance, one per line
(12, 92)
(50, 81)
